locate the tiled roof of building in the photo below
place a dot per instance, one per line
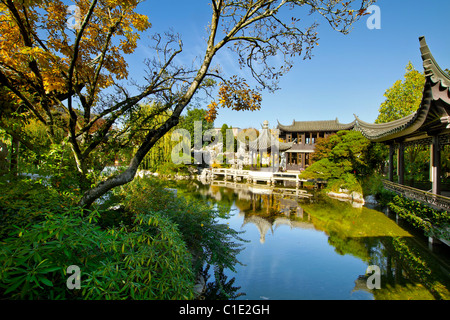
(432, 115)
(267, 141)
(315, 126)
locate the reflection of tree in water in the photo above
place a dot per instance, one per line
(408, 269)
(414, 264)
(220, 289)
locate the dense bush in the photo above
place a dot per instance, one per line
(146, 260)
(373, 185)
(210, 241)
(24, 201)
(346, 182)
(172, 169)
(146, 252)
(343, 159)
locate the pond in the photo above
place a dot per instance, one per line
(317, 248)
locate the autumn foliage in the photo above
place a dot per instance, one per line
(73, 80)
(234, 94)
(37, 46)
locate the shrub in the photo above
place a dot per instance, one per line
(170, 168)
(372, 185)
(431, 221)
(147, 259)
(24, 201)
(210, 241)
(347, 182)
(147, 251)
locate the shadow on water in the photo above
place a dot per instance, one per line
(357, 237)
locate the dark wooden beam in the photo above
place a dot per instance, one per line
(401, 163)
(435, 161)
(391, 162)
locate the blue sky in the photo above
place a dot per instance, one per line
(348, 74)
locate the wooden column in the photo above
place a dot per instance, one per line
(391, 162)
(435, 162)
(401, 163)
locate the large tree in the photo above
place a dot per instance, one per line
(189, 120)
(346, 152)
(402, 99)
(72, 78)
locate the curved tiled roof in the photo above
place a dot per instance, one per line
(432, 69)
(425, 119)
(266, 141)
(322, 125)
(432, 117)
(376, 131)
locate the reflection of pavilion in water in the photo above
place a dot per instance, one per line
(401, 275)
(268, 208)
(265, 224)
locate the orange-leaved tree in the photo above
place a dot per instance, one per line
(71, 79)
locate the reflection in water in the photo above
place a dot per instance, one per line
(297, 262)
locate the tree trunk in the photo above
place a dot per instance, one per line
(13, 167)
(153, 136)
(128, 175)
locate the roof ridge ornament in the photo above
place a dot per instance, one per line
(431, 67)
(430, 117)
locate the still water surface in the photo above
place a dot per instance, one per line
(319, 248)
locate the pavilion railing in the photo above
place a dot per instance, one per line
(437, 201)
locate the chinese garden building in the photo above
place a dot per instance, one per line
(429, 125)
(303, 135)
(269, 144)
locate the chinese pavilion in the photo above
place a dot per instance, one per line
(268, 143)
(429, 125)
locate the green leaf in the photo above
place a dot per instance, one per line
(51, 269)
(15, 285)
(46, 282)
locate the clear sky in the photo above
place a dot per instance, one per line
(348, 74)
